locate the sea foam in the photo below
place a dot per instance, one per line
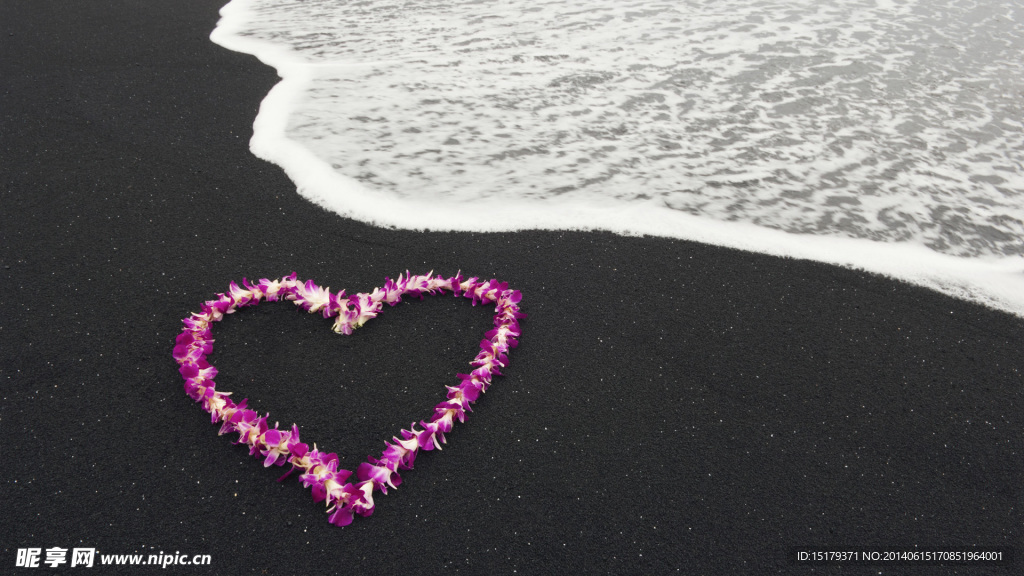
(886, 136)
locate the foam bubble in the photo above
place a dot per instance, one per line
(880, 135)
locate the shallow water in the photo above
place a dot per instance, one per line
(899, 123)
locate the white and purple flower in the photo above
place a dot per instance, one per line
(319, 470)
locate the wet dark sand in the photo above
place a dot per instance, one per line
(672, 408)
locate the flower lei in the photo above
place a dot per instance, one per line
(319, 470)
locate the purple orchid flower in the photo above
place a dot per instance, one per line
(231, 414)
(351, 499)
(239, 296)
(274, 445)
(312, 298)
(320, 471)
(378, 472)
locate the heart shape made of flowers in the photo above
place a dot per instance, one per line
(319, 470)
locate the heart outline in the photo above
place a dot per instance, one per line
(320, 470)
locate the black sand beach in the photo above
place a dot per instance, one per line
(672, 407)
